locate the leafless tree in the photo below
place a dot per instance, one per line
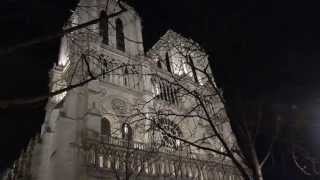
(188, 96)
(299, 152)
(75, 37)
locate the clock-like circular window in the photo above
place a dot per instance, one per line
(167, 128)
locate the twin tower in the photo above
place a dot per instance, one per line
(122, 113)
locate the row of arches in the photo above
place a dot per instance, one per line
(164, 90)
(132, 77)
(159, 166)
(127, 76)
(104, 31)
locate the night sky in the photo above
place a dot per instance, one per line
(261, 49)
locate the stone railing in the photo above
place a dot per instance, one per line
(110, 157)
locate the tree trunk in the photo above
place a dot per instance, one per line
(257, 175)
(257, 171)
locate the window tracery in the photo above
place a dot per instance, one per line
(167, 129)
(164, 90)
(119, 106)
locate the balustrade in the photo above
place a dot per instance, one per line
(121, 156)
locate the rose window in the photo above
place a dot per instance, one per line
(167, 129)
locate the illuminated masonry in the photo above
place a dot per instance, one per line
(90, 131)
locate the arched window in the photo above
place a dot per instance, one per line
(169, 127)
(126, 131)
(120, 35)
(193, 68)
(103, 27)
(105, 127)
(168, 62)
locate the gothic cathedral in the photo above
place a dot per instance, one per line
(118, 112)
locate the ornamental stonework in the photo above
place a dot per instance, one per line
(119, 106)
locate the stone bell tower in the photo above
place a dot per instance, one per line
(101, 79)
(96, 107)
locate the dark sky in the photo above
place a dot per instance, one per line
(260, 49)
(260, 46)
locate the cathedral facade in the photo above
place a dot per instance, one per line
(117, 112)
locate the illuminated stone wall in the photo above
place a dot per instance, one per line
(72, 144)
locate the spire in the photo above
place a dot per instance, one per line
(63, 54)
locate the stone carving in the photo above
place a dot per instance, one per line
(119, 106)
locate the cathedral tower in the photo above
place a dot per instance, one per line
(97, 108)
(112, 105)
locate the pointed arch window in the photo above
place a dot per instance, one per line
(193, 69)
(126, 132)
(103, 27)
(120, 35)
(105, 127)
(168, 62)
